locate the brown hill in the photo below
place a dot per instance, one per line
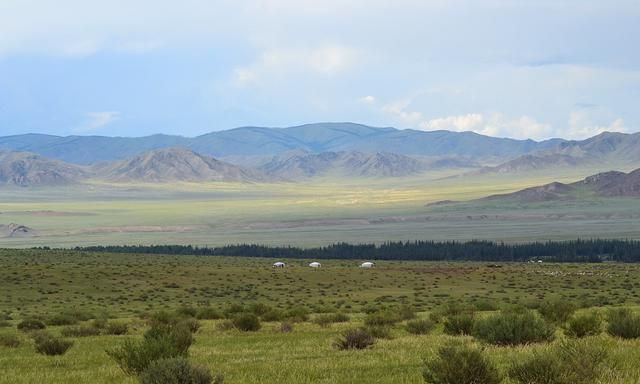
(176, 164)
(27, 169)
(606, 184)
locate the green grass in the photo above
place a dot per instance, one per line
(42, 283)
(306, 214)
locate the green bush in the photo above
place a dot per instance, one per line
(9, 340)
(116, 328)
(327, 319)
(4, 324)
(159, 342)
(419, 327)
(460, 364)
(52, 346)
(557, 311)
(190, 323)
(208, 313)
(272, 315)
(286, 327)
(247, 322)
(30, 325)
(355, 339)
(623, 323)
(176, 371)
(379, 331)
(187, 311)
(571, 362)
(540, 368)
(405, 312)
(259, 309)
(225, 325)
(459, 324)
(297, 314)
(586, 324)
(383, 318)
(62, 319)
(233, 310)
(513, 327)
(79, 331)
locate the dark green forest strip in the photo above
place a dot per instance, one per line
(593, 251)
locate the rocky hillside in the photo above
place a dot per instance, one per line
(176, 164)
(27, 169)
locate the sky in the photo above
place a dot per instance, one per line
(520, 69)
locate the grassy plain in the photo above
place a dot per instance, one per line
(308, 214)
(41, 283)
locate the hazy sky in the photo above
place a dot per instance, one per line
(517, 69)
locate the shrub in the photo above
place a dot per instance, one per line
(192, 324)
(176, 371)
(259, 309)
(233, 310)
(99, 323)
(297, 314)
(62, 319)
(159, 342)
(79, 331)
(355, 339)
(187, 311)
(406, 313)
(379, 331)
(208, 313)
(557, 311)
(623, 323)
(460, 364)
(572, 362)
(329, 318)
(459, 324)
(540, 368)
(4, 324)
(163, 317)
(9, 340)
(225, 325)
(286, 327)
(31, 325)
(382, 318)
(513, 327)
(247, 322)
(272, 315)
(586, 324)
(52, 346)
(420, 327)
(116, 328)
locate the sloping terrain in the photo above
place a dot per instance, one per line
(300, 164)
(15, 230)
(606, 150)
(606, 184)
(27, 169)
(176, 164)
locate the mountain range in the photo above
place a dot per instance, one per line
(257, 141)
(254, 154)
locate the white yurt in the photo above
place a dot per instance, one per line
(279, 264)
(367, 264)
(315, 264)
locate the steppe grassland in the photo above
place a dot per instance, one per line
(43, 283)
(307, 213)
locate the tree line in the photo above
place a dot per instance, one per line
(593, 251)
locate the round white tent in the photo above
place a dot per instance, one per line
(367, 264)
(279, 264)
(315, 264)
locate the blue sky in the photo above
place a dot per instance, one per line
(522, 69)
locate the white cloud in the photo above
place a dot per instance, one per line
(454, 123)
(581, 126)
(493, 124)
(325, 60)
(367, 99)
(399, 110)
(97, 120)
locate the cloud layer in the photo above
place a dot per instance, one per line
(522, 69)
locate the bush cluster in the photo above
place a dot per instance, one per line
(177, 371)
(585, 324)
(327, 319)
(623, 323)
(513, 327)
(419, 326)
(460, 364)
(50, 345)
(355, 339)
